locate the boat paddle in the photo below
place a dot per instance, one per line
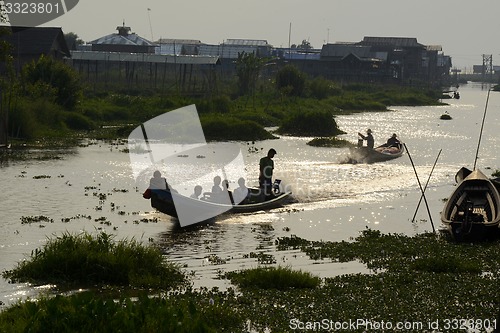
(421, 189)
(426, 184)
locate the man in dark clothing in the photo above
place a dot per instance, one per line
(370, 142)
(266, 167)
(393, 141)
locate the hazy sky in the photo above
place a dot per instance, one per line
(465, 29)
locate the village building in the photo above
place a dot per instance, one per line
(173, 46)
(127, 58)
(123, 41)
(27, 44)
(378, 59)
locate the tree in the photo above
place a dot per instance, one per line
(7, 81)
(305, 45)
(54, 76)
(73, 40)
(248, 67)
(291, 80)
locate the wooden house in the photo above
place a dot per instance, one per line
(28, 44)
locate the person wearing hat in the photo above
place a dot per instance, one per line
(370, 142)
(266, 167)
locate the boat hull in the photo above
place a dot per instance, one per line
(472, 213)
(375, 155)
(166, 202)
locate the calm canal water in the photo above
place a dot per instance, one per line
(91, 188)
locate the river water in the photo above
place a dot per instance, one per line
(91, 188)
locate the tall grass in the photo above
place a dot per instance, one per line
(310, 123)
(280, 278)
(218, 127)
(85, 259)
(245, 117)
(88, 312)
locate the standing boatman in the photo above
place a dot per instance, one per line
(266, 167)
(370, 142)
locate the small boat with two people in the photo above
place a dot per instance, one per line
(392, 149)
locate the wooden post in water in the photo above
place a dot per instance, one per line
(482, 126)
(426, 184)
(421, 189)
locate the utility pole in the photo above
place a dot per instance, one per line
(150, 25)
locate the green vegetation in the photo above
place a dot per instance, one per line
(248, 67)
(52, 79)
(90, 312)
(290, 81)
(218, 127)
(310, 123)
(424, 278)
(280, 278)
(329, 142)
(88, 260)
(49, 101)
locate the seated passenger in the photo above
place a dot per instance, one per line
(393, 141)
(226, 193)
(241, 193)
(197, 192)
(158, 182)
(216, 189)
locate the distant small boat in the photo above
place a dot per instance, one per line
(379, 154)
(473, 210)
(163, 201)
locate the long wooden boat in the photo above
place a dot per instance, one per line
(379, 154)
(473, 210)
(197, 211)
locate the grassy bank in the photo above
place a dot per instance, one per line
(110, 115)
(415, 280)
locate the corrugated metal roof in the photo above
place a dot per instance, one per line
(246, 42)
(178, 41)
(301, 56)
(438, 48)
(342, 50)
(37, 40)
(226, 51)
(117, 39)
(144, 57)
(394, 41)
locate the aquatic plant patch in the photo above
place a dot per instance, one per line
(86, 259)
(329, 142)
(36, 219)
(91, 312)
(419, 280)
(280, 278)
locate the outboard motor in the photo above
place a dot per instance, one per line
(276, 186)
